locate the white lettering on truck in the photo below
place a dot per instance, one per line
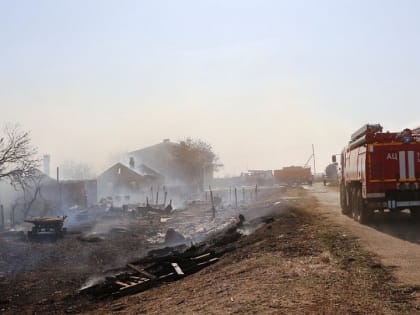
(392, 156)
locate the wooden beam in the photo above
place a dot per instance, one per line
(167, 275)
(142, 271)
(124, 285)
(207, 262)
(201, 256)
(177, 269)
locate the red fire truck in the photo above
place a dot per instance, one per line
(380, 170)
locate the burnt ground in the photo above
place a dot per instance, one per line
(296, 264)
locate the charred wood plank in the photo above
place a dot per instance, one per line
(122, 284)
(207, 262)
(166, 276)
(201, 256)
(136, 287)
(177, 269)
(142, 271)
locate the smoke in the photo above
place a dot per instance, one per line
(92, 281)
(249, 229)
(110, 237)
(8, 196)
(106, 227)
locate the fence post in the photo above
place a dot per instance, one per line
(213, 209)
(1, 218)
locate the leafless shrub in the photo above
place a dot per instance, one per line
(18, 162)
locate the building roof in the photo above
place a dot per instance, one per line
(145, 170)
(165, 145)
(142, 170)
(44, 178)
(160, 157)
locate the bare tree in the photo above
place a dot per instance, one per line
(32, 192)
(195, 159)
(18, 162)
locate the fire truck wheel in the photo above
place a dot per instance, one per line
(415, 213)
(343, 200)
(363, 214)
(353, 203)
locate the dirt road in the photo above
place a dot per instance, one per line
(394, 238)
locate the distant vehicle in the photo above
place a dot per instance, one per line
(292, 175)
(380, 170)
(46, 227)
(331, 174)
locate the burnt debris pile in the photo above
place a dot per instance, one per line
(165, 265)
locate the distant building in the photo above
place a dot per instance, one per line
(128, 183)
(68, 193)
(46, 196)
(159, 157)
(258, 177)
(162, 158)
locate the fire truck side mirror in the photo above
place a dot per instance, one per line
(334, 158)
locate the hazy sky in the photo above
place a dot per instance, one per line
(259, 80)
